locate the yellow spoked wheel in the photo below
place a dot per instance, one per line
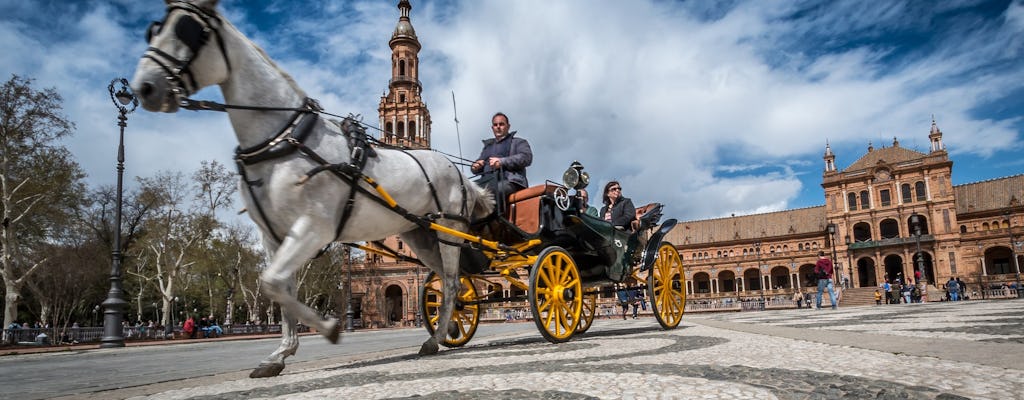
(465, 317)
(666, 284)
(588, 311)
(556, 294)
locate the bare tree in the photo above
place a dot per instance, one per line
(39, 182)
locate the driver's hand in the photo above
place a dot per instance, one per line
(494, 162)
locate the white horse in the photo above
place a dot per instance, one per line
(281, 139)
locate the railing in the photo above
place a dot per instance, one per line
(1000, 293)
(54, 336)
(869, 244)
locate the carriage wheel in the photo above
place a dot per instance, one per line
(465, 317)
(588, 311)
(666, 284)
(556, 294)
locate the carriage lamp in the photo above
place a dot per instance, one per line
(115, 305)
(574, 177)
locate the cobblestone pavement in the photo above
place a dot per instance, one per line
(922, 351)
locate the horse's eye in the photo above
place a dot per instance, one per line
(153, 30)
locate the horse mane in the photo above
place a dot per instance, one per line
(287, 77)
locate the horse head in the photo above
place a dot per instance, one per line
(180, 60)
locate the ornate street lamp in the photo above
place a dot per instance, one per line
(1013, 253)
(915, 220)
(349, 313)
(115, 305)
(849, 260)
(832, 244)
(760, 273)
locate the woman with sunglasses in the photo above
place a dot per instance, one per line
(617, 209)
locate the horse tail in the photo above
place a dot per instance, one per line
(481, 201)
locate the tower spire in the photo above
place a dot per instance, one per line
(404, 117)
(935, 137)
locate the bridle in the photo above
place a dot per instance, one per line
(193, 30)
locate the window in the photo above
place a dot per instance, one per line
(852, 200)
(884, 197)
(865, 200)
(401, 69)
(905, 192)
(401, 129)
(919, 188)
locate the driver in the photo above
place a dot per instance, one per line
(617, 209)
(503, 161)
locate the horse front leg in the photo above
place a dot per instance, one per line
(300, 245)
(274, 363)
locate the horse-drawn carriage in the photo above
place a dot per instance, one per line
(308, 181)
(559, 258)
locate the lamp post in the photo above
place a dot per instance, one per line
(916, 221)
(115, 305)
(832, 244)
(1013, 253)
(849, 260)
(349, 313)
(419, 313)
(760, 273)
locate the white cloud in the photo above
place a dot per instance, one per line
(670, 99)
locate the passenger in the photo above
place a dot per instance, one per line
(618, 209)
(585, 203)
(503, 161)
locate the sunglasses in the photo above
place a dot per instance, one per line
(614, 189)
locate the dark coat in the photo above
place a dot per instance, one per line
(623, 213)
(515, 155)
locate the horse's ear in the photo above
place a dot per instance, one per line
(208, 5)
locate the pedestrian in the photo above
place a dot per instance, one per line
(963, 289)
(823, 269)
(878, 297)
(954, 290)
(623, 297)
(907, 291)
(189, 328)
(798, 298)
(888, 291)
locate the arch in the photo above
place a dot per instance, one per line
(861, 232)
(393, 303)
(865, 200)
(719, 255)
(905, 193)
(800, 247)
(702, 282)
(866, 272)
(851, 201)
(893, 267)
(401, 67)
(928, 275)
(998, 260)
(922, 220)
(919, 191)
(752, 277)
(412, 129)
(727, 281)
(780, 277)
(400, 131)
(984, 226)
(889, 228)
(807, 276)
(389, 129)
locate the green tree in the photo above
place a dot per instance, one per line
(40, 183)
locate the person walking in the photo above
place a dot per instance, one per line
(823, 269)
(798, 298)
(954, 290)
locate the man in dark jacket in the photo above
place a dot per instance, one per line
(503, 161)
(823, 268)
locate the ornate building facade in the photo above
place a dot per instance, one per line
(892, 212)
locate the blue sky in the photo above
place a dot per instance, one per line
(714, 108)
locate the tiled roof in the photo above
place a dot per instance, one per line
(891, 155)
(750, 227)
(993, 194)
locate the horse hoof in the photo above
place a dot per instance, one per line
(333, 333)
(453, 331)
(429, 347)
(267, 370)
